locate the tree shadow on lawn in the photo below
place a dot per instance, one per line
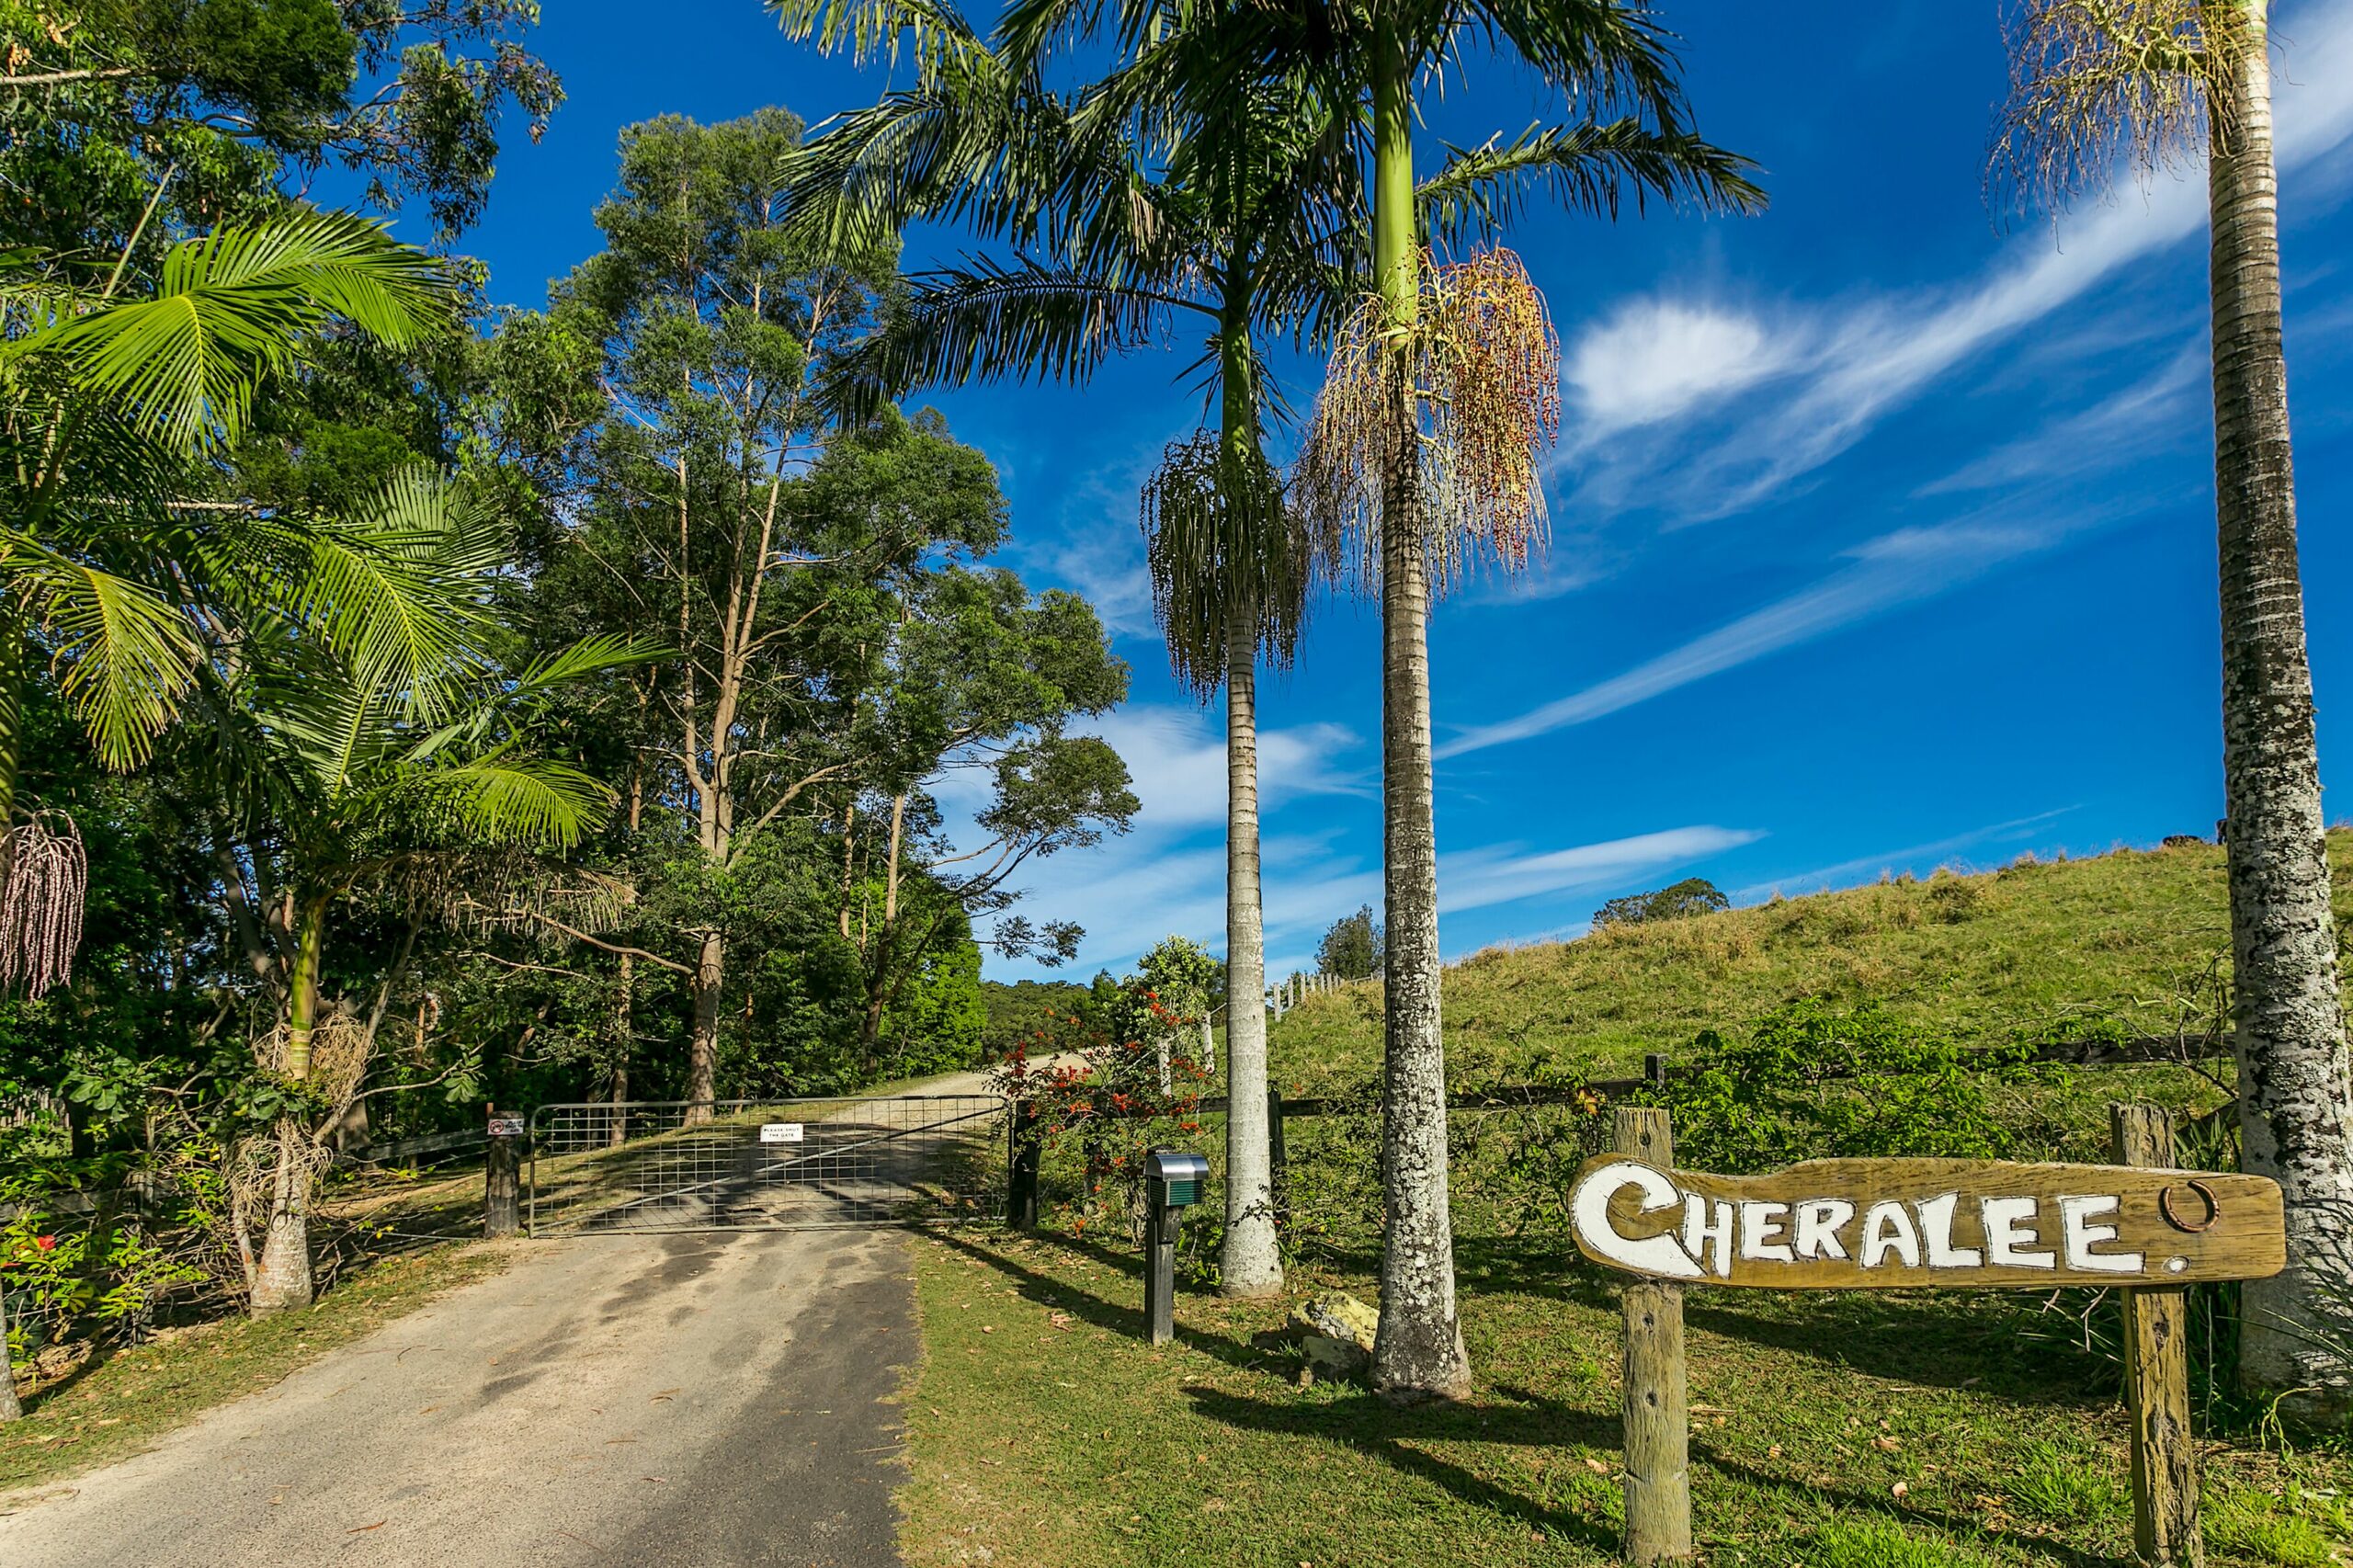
(1924, 1340)
(1369, 1424)
(1959, 1525)
(1047, 1290)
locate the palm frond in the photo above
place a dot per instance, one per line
(122, 655)
(1606, 53)
(1592, 169)
(932, 31)
(397, 593)
(230, 307)
(529, 802)
(991, 320)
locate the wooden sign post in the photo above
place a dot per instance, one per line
(1655, 1394)
(2156, 1377)
(2138, 1225)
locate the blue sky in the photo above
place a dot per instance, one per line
(1882, 536)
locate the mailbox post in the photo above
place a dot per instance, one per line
(502, 1178)
(1173, 1180)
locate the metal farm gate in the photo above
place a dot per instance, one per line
(766, 1164)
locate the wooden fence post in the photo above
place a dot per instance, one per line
(1024, 1155)
(502, 1183)
(2156, 1378)
(1277, 1160)
(1656, 1402)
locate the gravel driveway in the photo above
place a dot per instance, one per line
(654, 1401)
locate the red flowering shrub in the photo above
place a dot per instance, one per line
(1101, 1105)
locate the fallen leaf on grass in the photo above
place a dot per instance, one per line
(1899, 1489)
(1060, 1320)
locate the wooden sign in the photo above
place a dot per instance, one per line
(1910, 1224)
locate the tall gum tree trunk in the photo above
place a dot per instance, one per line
(702, 1046)
(2295, 1106)
(1251, 1263)
(625, 1036)
(282, 1278)
(1417, 1352)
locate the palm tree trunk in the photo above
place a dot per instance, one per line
(1251, 1263)
(282, 1278)
(2295, 1104)
(1418, 1352)
(702, 1046)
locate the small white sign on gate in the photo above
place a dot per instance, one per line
(780, 1133)
(506, 1127)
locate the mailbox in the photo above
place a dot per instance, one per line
(1173, 1180)
(1178, 1175)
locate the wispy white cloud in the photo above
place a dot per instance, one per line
(1883, 575)
(2143, 418)
(1848, 364)
(1177, 758)
(1131, 893)
(1506, 874)
(1912, 856)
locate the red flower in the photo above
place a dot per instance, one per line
(46, 1243)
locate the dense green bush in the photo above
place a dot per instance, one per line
(1812, 1080)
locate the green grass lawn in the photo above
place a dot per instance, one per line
(1845, 1432)
(2136, 935)
(1853, 1431)
(120, 1403)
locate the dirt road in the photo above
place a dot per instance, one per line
(658, 1402)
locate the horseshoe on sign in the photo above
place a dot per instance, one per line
(2213, 1208)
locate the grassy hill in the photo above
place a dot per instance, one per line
(2053, 949)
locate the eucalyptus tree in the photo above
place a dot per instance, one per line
(2153, 82)
(1400, 469)
(118, 401)
(220, 107)
(801, 575)
(371, 746)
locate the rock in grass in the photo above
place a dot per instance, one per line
(1335, 1333)
(1331, 1360)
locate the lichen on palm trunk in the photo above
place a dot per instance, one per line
(2296, 1106)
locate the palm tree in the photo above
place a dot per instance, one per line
(1240, 230)
(374, 747)
(1629, 143)
(1177, 184)
(112, 403)
(2151, 81)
